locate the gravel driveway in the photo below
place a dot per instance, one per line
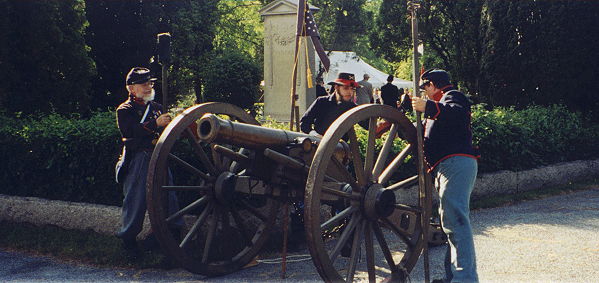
(550, 240)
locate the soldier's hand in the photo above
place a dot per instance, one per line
(418, 103)
(163, 120)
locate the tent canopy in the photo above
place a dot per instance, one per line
(346, 61)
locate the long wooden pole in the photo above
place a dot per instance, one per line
(294, 82)
(425, 190)
(164, 86)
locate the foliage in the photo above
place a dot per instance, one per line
(528, 53)
(341, 23)
(73, 159)
(44, 62)
(60, 158)
(535, 136)
(233, 78)
(240, 28)
(505, 53)
(122, 34)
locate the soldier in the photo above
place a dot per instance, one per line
(452, 161)
(140, 121)
(325, 109)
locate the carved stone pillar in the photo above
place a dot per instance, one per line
(279, 43)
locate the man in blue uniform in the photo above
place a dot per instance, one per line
(452, 161)
(326, 109)
(140, 121)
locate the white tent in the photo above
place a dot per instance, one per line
(349, 62)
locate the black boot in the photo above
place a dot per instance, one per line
(132, 251)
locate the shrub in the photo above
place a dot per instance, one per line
(233, 78)
(68, 158)
(536, 136)
(61, 158)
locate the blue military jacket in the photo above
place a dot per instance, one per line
(322, 113)
(447, 129)
(138, 128)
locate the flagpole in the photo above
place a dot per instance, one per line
(293, 84)
(425, 188)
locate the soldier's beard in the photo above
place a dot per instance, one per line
(148, 97)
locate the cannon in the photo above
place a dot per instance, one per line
(362, 217)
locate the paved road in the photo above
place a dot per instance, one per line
(550, 240)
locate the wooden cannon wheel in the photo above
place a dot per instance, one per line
(373, 230)
(222, 229)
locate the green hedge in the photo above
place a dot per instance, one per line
(60, 158)
(73, 159)
(533, 137)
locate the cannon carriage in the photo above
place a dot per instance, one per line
(231, 175)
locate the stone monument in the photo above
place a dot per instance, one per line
(280, 19)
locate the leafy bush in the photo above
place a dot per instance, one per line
(233, 78)
(61, 158)
(73, 159)
(536, 136)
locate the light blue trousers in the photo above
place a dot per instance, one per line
(455, 177)
(134, 203)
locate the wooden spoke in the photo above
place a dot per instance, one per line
(209, 238)
(196, 226)
(370, 149)
(369, 247)
(407, 238)
(403, 184)
(353, 222)
(382, 158)
(186, 188)
(347, 177)
(245, 233)
(351, 270)
(189, 167)
(253, 211)
(200, 152)
(413, 209)
(394, 165)
(338, 193)
(191, 206)
(384, 247)
(356, 157)
(337, 218)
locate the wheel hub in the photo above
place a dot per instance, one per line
(224, 188)
(378, 202)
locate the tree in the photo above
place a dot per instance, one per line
(342, 22)
(503, 52)
(544, 54)
(44, 63)
(448, 30)
(123, 34)
(234, 78)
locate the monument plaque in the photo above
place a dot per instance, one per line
(280, 19)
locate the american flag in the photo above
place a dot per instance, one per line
(306, 26)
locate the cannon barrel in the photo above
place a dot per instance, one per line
(211, 128)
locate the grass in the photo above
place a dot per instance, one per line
(100, 250)
(72, 245)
